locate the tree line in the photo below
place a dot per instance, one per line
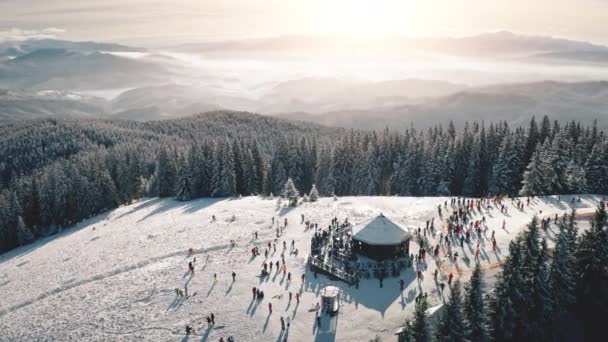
(54, 173)
(540, 294)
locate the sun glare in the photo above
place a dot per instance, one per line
(368, 16)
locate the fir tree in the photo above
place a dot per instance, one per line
(477, 328)
(290, 192)
(562, 276)
(420, 328)
(314, 194)
(24, 234)
(451, 325)
(592, 275)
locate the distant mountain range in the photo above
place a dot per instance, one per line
(497, 44)
(515, 103)
(47, 78)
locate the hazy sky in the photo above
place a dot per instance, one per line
(165, 22)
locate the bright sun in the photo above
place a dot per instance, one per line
(368, 16)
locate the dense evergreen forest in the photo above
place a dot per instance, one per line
(54, 173)
(541, 294)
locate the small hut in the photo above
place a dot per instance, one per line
(330, 300)
(381, 238)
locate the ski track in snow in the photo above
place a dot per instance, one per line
(104, 276)
(113, 276)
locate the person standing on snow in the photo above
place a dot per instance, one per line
(233, 276)
(191, 268)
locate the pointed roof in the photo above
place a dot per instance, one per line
(380, 230)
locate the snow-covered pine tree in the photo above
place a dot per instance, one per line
(185, 192)
(451, 326)
(502, 181)
(539, 326)
(421, 327)
(562, 274)
(535, 180)
(575, 181)
(592, 275)
(477, 323)
(166, 174)
(472, 182)
(597, 168)
(372, 179)
(314, 194)
(325, 171)
(291, 193)
(507, 298)
(24, 234)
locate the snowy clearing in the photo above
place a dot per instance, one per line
(113, 277)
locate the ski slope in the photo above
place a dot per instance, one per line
(113, 276)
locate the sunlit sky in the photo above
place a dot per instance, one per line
(161, 22)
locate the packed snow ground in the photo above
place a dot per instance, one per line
(113, 277)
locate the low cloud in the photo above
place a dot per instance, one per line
(18, 34)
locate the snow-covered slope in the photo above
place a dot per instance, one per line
(113, 277)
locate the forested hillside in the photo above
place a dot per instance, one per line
(54, 173)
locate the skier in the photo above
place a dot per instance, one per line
(436, 273)
(254, 292)
(303, 276)
(208, 321)
(442, 286)
(450, 279)
(212, 318)
(215, 277)
(188, 330)
(290, 296)
(191, 267)
(401, 282)
(289, 276)
(318, 319)
(270, 308)
(297, 297)
(282, 323)
(233, 276)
